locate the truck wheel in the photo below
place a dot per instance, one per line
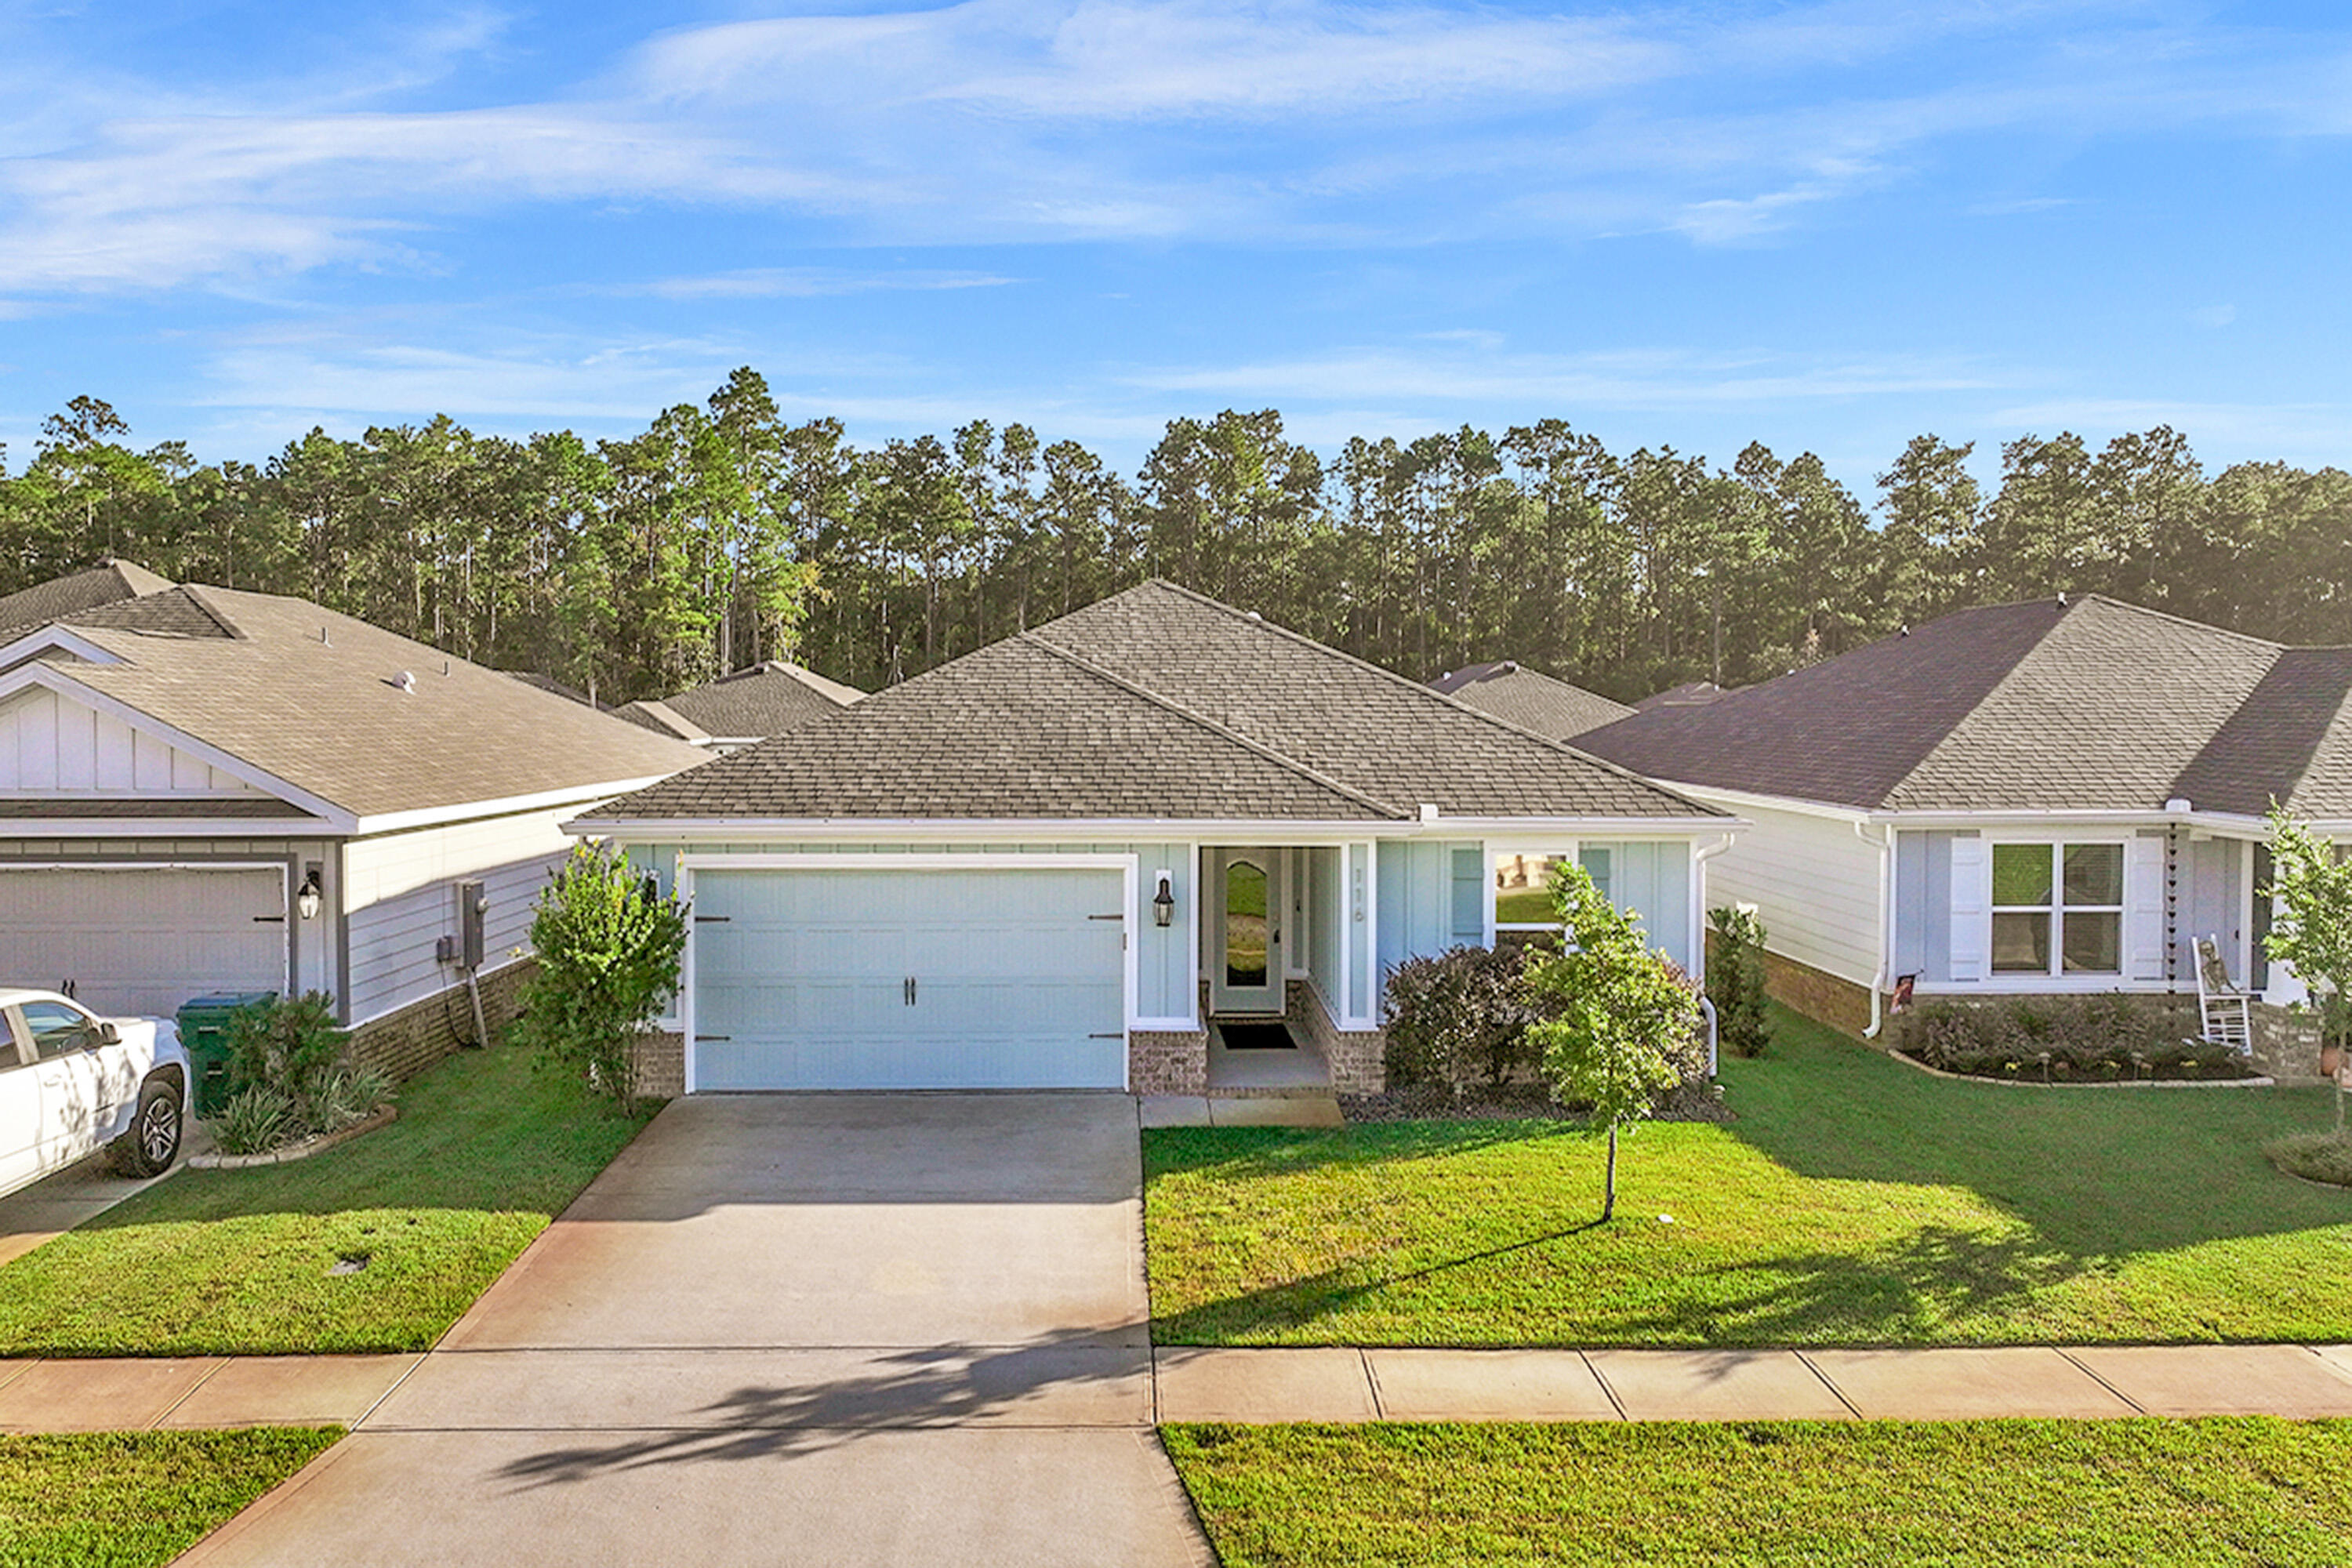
(153, 1140)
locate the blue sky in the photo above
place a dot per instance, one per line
(1828, 226)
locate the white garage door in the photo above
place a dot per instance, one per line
(884, 978)
(143, 939)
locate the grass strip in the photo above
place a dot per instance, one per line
(131, 1499)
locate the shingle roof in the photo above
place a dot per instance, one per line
(1156, 704)
(1530, 700)
(765, 700)
(252, 674)
(1689, 694)
(103, 583)
(2088, 705)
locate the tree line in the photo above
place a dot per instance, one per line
(725, 534)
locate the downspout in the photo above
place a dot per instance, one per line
(1878, 981)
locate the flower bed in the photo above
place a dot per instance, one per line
(2108, 1037)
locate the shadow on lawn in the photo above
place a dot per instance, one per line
(908, 1390)
(1933, 1278)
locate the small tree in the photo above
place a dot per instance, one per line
(1734, 981)
(609, 942)
(2312, 928)
(1618, 1011)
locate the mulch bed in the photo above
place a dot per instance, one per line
(1506, 1102)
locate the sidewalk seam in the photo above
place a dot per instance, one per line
(2071, 1359)
(190, 1392)
(1371, 1382)
(1835, 1392)
(378, 1403)
(1603, 1379)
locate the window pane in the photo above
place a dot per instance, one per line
(2020, 875)
(2021, 945)
(56, 1030)
(1598, 862)
(1521, 889)
(2094, 873)
(1245, 924)
(2094, 943)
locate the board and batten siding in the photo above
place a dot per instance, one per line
(1813, 881)
(51, 745)
(1166, 979)
(1420, 910)
(400, 897)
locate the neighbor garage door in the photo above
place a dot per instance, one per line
(882, 978)
(143, 939)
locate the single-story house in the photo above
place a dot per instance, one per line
(206, 790)
(2061, 796)
(743, 709)
(1056, 860)
(1530, 699)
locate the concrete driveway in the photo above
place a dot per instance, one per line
(806, 1329)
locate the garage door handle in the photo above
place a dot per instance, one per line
(712, 919)
(269, 919)
(700, 1037)
(907, 989)
(1106, 917)
(1118, 1036)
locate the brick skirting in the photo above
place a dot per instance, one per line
(1168, 1062)
(403, 1043)
(1358, 1058)
(660, 1057)
(1839, 1004)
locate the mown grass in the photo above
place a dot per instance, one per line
(2086, 1494)
(484, 1153)
(133, 1500)
(1854, 1201)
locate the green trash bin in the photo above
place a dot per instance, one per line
(203, 1030)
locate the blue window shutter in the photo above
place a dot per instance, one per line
(1469, 898)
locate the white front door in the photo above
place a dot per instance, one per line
(1246, 939)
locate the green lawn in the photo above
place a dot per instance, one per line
(485, 1153)
(1854, 1201)
(130, 1500)
(2151, 1494)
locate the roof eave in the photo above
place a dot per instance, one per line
(1238, 830)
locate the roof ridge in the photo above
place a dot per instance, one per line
(1428, 692)
(1080, 661)
(2177, 620)
(202, 600)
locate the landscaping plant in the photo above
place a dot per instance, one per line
(2106, 1037)
(1734, 981)
(1618, 1012)
(2312, 928)
(1458, 1014)
(609, 941)
(290, 1076)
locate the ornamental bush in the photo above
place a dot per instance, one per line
(2103, 1037)
(609, 941)
(1456, 1017)
(290, 1076)
(1735, 981)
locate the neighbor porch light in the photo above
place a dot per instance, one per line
(1163, 902)
(309, 895)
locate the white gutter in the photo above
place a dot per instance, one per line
(1700, 855)
(1878, 981)
(1236, 830)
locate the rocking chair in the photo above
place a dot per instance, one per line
(2224, 1010)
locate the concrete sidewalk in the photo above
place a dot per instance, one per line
(1078, 1387)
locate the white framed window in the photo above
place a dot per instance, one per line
(1522, 883)
(2058, 908)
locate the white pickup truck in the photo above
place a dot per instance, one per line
(72, 1083)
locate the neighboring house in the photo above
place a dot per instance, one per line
(107, 582)
(2053, 796)
(745, 707)
(1055, 860)
(1530, 699)
(204, 790)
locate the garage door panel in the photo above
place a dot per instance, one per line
(1014, 987)
(144, 939)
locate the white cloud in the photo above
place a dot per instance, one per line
(809, 283)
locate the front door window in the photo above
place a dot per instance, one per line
(1243, 949)
(1246, 926)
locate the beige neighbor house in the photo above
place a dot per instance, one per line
(743, 709)
(1530, 699)
(1070, 858)
(204, 790)
(2057, 797)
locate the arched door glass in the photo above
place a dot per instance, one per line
(1245, 923)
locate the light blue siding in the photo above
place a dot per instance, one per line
(988, 978)
(1418, 907)
(1923, 906)
(1326, 918)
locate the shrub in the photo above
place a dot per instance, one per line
(253, 1122)
(1735, 981)
(2103, 1038)
(2314, 1156)
(291, 1075)
(609, 942)
(1457, 1017)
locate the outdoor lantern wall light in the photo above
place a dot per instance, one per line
(308, 897)
(1163, 902)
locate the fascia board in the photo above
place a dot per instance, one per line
(1171, 829)
(506, 806)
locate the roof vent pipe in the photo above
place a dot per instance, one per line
(407, 681)
(2179, 805)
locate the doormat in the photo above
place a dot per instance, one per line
(1257, 1036)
